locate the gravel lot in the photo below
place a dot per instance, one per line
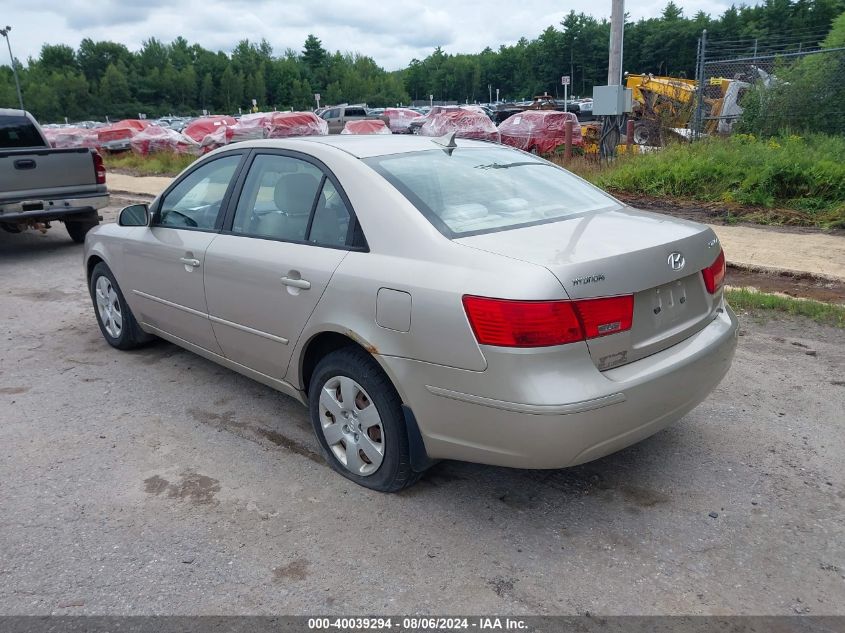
(157, 482)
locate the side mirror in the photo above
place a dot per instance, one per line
(134, 215)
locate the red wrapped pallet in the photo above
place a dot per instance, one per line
(467, 123)
(117, 135)
(285, 124)
(400, 119)
(540, 131)
(198, 129)
(365, 126)
(71, 137)
(160, 139)
(250, 127)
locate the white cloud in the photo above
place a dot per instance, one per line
(392, 33)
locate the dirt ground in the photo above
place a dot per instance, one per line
(719, 213)
(801, 286)
(157, 482)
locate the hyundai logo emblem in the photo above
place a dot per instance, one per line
(676, 261)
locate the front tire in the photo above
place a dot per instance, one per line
(116, 321)
(77, 229)
(357, 417)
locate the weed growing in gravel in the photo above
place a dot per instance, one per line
(825, 313)
(158, 164)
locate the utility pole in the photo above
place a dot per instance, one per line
(5, 33)
(612, 102)
(617, 31)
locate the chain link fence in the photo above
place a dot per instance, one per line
(789, 86)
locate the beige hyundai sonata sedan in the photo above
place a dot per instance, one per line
(426, 299)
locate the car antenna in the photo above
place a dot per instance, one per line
(447, 142)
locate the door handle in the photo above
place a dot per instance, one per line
(296, 283)
(190, 261)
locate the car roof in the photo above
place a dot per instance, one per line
(12, 112)
(366, 145)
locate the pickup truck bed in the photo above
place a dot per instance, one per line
(39, 185)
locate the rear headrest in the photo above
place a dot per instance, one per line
(294, 193)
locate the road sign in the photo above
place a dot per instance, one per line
(316, 96)
(564, 80)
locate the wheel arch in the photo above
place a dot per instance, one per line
(90, 263)
(327, 341)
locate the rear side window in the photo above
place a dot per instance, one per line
(330, 226)
(18, 131)
(277, 198)
(355, 112)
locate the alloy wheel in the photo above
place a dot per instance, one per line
(108, 306)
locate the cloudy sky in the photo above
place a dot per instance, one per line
(391, 32)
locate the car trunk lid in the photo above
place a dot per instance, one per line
(624, 251)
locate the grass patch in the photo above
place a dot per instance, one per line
(825, 313)
(159, 164)
(804, 175)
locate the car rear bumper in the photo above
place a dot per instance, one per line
(555, 428)
(47, 210)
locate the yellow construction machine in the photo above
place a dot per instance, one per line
(666, 105)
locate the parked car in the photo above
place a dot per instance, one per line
(426, 298)
(400, 119)
(117, 137)
(338, 116)
(40, 185)
(540, 131)
(466, 122)
(366, 126)
(201, 127)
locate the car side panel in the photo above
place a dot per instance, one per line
(256, 317)
(167, 293)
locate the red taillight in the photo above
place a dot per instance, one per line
(607, 315)
(509, 323)
(714, 274)
(99, 168)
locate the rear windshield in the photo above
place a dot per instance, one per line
(481, 190)
(18, 131)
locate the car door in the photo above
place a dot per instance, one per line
(163, 264)
(334, 118)
(290, 229)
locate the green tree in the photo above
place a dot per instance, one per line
(232, 89)
(114, 90)
(206, 92)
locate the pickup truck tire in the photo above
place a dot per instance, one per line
(78, 228)
(117, 323)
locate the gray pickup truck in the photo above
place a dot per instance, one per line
(337, 116)
(39, 185)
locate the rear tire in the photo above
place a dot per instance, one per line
(377, 456)
(77, 229)
(117, 323)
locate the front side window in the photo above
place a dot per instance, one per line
(278, 198)
(480, 190)
(195, 202)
